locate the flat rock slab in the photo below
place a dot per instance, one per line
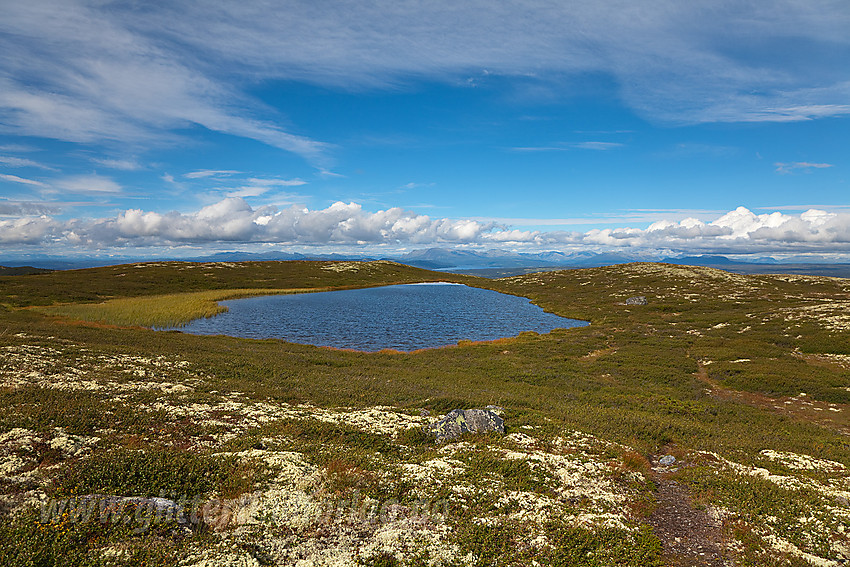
(457, 422)
(637, 300)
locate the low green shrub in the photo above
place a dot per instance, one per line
(125, 472)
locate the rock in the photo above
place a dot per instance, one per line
(424, 412)
(667, 460)
(637, 300)
(457, 422)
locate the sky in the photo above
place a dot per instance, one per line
(172, 129)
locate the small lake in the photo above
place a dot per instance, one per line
(401, 317)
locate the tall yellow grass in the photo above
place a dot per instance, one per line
(160, 311)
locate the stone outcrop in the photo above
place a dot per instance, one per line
(637, 300)
(457, 422)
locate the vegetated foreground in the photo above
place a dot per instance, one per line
(708, 427)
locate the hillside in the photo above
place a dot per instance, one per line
(293, 453)
(20, 270)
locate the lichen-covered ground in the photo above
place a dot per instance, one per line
(123, 446)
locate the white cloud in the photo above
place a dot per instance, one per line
(98, 72)
(26, 230)
(9, 161)
(247, 191)
(203, 173)
(230, 219)
(617, 217)
(17, 148)
(739, 231)
(87, 184)
(567, 146)
(671, 60)
(120, 164)
(257, 186)
(261, 182)
(540, 149)
(598, 145)
(26, 208)
(830, 208)
(21, 180)
(233, 220)
(83, 72)
(804, 165)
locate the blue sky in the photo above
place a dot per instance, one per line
(653, 127)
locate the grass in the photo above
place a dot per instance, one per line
(160, 278)
(160, 311)
(667, 374)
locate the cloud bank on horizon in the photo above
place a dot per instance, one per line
(344, 123)
(233, 220)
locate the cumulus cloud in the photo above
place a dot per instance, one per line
(227, 220)
(234, 220)
(27, 230)
(740, 231)
(348, 223)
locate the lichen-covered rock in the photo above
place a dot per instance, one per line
(457, 422)
(637, 300)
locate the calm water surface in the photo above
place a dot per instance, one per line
(401, 317)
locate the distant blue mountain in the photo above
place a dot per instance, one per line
(707, 260)
(442, 258)
(468, 260)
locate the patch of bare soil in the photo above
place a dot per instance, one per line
(831, 416)
(690, 537)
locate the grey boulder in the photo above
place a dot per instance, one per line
(457, 422)
(667, 460)
(637, 300)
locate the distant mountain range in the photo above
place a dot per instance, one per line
(491, 263)
(442, 259)
(431, 259)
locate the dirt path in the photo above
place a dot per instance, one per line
(690, 537)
